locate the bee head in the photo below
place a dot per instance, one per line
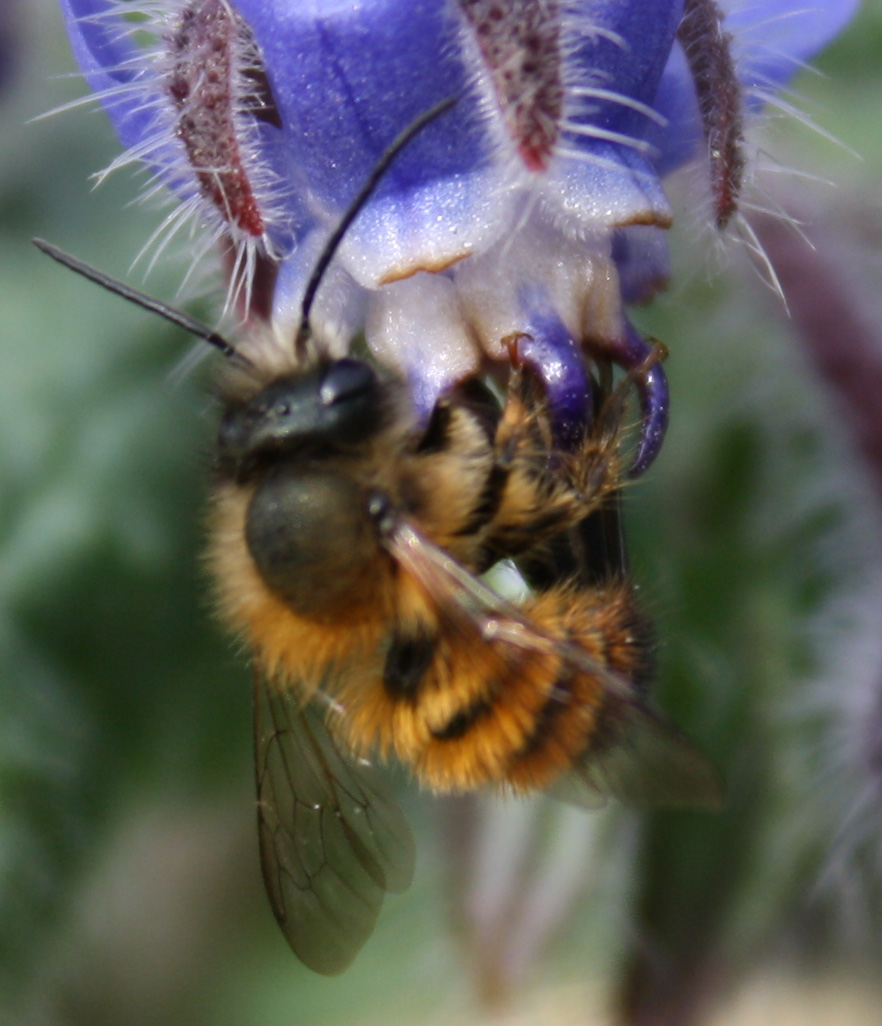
(333, 406)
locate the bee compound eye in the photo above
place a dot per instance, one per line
(347, 379)
(310, 536)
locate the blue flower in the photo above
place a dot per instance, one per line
(534, 208)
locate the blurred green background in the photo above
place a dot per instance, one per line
(129, 880)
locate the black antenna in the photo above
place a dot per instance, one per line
(178, 317)
(354, 208)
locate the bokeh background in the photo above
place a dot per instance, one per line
(129, 881)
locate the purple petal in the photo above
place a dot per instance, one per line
(109, 60)
(558, 358)
(560, 361)
(347, 78)
(643, 262)
(655, 406)
(629, 352)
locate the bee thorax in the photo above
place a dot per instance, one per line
(311, 539)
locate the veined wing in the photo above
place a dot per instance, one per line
(333, 841)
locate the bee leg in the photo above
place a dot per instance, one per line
(558, 360)
(591, 554)
(591, 550)
(471, 398)
(534, 498)
(525, 424)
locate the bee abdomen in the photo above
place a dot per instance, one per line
(526, 718)
(463, 721)
(580, 713)
(407, 661)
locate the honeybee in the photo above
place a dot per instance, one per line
(348, 543)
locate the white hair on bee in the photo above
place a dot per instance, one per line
(205, 152)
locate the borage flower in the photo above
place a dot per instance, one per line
(533, 208)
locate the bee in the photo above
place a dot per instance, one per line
(348, 543)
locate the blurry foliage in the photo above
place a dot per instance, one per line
(129, 884)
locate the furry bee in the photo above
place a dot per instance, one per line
(348, 543)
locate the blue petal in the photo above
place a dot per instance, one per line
(621, 188)
(346, 78)
(548, 346)
(428, 227)
(628, 54)
(622, 48)
(110, 61)
(642, 260)
(781, 34)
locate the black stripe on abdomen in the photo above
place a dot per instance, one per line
(407, 661)
(462, 722)
(559, 703)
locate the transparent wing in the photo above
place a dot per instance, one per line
(648, 763)
(333, 841)
(638, 757)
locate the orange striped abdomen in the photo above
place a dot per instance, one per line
(462, 712)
